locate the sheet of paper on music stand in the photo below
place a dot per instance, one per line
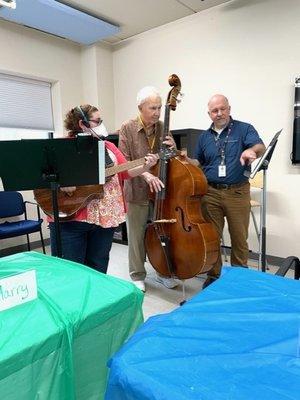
(101, 158)
(265, 156)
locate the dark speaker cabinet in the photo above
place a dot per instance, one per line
(296, 128)
(187, 139)
(184, 138)
(296, 141)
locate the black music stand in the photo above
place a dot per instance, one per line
(263, 165)
(50, 163)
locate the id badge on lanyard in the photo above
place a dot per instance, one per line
(222, 166)
(222, 171)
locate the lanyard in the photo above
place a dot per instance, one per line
(221, 145)
(150, 142)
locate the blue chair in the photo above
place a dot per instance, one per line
(12, 205)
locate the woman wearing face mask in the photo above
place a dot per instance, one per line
(87, 238)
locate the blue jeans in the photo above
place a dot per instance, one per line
(84, 243)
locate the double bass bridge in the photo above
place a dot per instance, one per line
(165, 221)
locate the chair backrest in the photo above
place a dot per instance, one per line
(11, 204)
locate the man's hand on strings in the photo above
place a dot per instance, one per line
(150, 160)
(155, 184)
(169, 141)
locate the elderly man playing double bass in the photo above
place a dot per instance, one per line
(224, 152)
(138, 137)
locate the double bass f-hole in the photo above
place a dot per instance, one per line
(180, 210)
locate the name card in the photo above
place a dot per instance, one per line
(17, 289)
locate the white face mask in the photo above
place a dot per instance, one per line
(100, 130)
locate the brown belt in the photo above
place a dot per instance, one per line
(224, 186)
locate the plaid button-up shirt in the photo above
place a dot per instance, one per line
(134, 144)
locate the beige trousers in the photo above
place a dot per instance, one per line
(234, 205)
(136, 221)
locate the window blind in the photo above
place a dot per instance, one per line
(25, 103)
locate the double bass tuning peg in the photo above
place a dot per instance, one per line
(181, 95)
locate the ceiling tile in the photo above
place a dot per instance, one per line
(134, 16)
(198, 5)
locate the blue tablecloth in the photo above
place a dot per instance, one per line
(236, 340)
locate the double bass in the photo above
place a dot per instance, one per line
(179, 242)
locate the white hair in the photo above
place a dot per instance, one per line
(145, 93)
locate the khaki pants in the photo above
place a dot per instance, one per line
(234, 205)
(136, 221)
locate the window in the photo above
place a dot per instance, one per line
(26, 108)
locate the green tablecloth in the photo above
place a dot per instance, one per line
(56, 347)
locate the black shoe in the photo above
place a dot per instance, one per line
(208, 281)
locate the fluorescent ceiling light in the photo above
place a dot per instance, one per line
(59, 19)
(8, 3)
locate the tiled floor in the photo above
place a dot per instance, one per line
(158, 299)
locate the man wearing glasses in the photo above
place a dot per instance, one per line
(225, 152)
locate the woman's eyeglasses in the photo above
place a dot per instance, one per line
(96, 121)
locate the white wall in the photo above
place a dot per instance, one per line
(33, 54)
(248, 50)
(105, 80)
(30, 53)
(97, 77)
(78, 75)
